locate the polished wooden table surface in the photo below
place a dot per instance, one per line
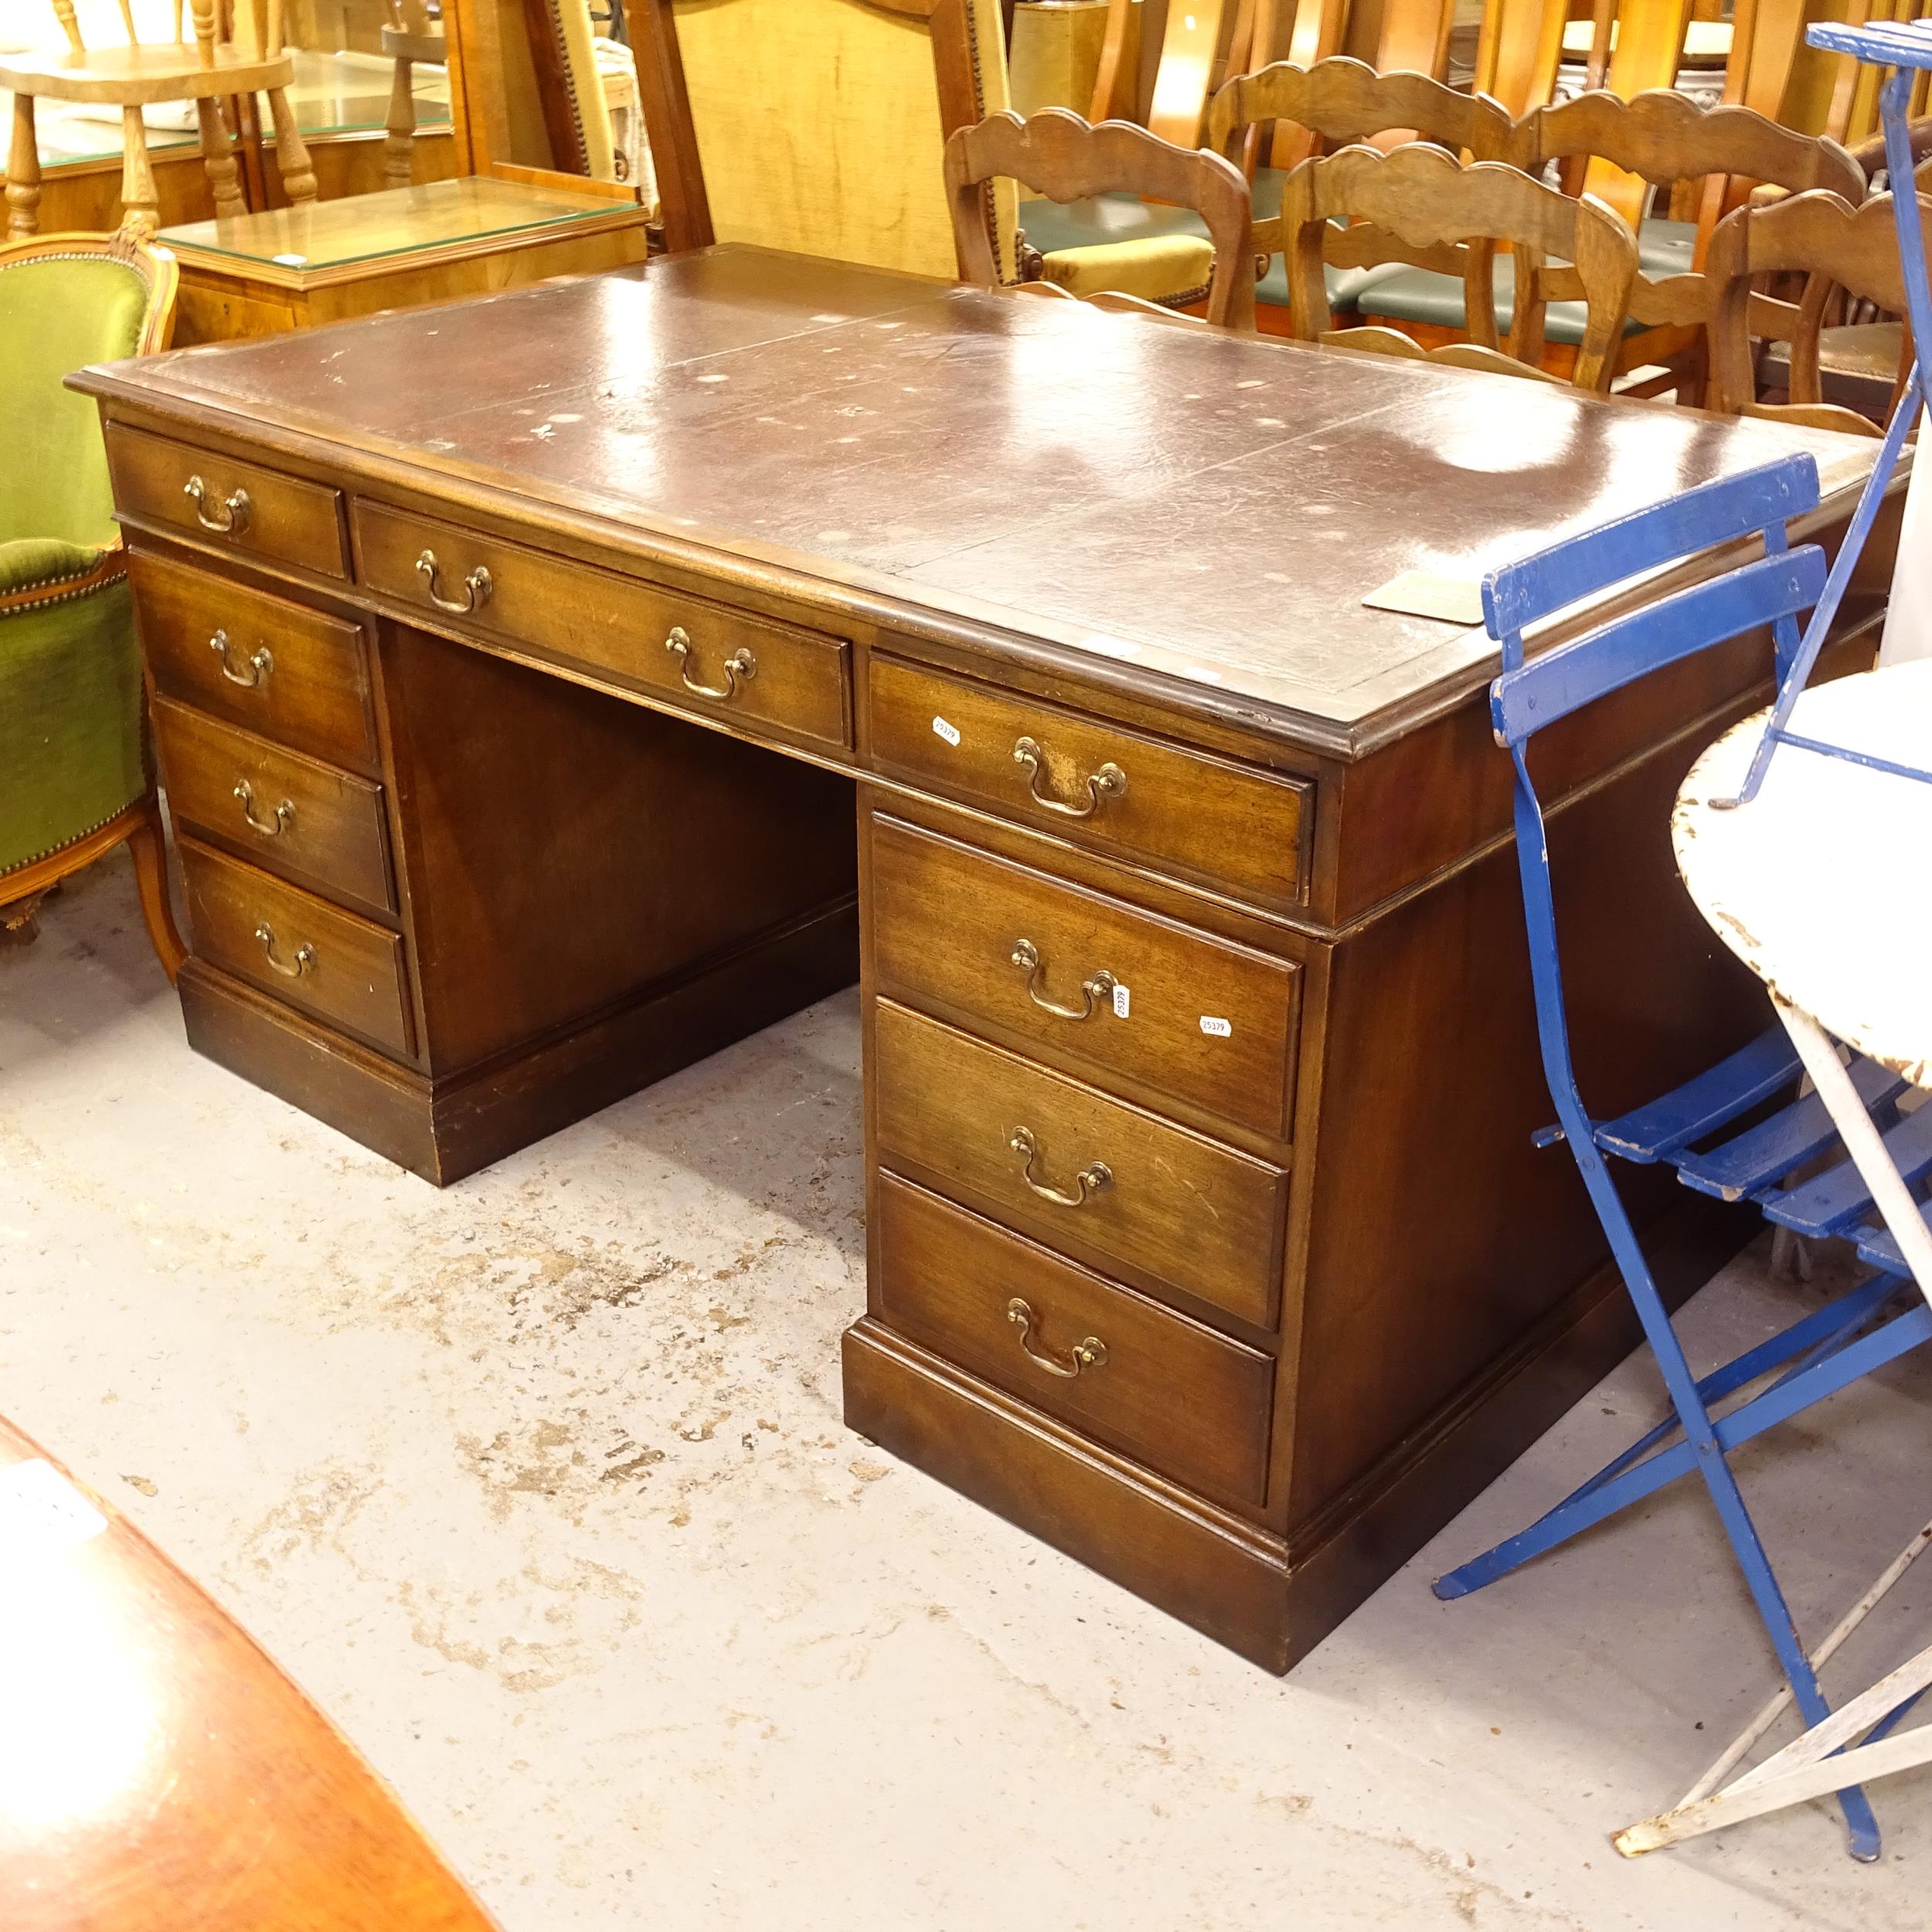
(520, 665)
(158, 1772)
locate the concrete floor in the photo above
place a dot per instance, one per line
(539, 1486)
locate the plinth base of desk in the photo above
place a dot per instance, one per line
(1268, 1600)
(445, 1129)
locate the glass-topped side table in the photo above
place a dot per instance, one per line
(289, 268)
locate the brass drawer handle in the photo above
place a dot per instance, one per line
(283, 820)
(1096, 990)
(234, 509)
(1089, 1353)
(1095, 1178)
(740, 664)
(477, 587)
(1109, 782)
(305, 953)
(259, 664)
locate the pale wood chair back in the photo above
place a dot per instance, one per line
(1058, 155)
(1660, 139)
(1186, 52)
(1342, 101)
(1649, 50)
(1401, 36)
(820, 126)
(1420, 201)
(1834, 245)
(1519, 47)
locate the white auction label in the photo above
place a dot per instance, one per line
(1215, 1028)
(949, 732)
(1120, 1001)
(41, 1511)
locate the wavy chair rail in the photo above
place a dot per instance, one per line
(1058, 155)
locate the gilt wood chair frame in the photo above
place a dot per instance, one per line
(666, 100)
(140, 825)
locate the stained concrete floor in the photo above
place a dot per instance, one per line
(539, 1486)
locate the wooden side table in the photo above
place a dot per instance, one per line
(289, 268)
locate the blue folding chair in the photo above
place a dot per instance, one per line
(1738, 1128)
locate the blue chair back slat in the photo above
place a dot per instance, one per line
(1764, 498)
(1831, 1202)
(1524, 700)
(1890, 43)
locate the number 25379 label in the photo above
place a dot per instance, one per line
(1215, 1028)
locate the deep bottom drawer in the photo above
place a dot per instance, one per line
(1159, 1387)
(306, 952)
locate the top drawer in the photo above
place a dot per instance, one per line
(1096, 783)
(709, 659)
(236, 505)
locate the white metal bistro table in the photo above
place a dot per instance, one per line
(1818, 884)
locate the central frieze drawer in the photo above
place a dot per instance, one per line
(708, 659)
(1174, 1395)
(345, 970)
(1185, 811)
(1082, 978)
(295, 815)
(1077, 1168)
(261, 662)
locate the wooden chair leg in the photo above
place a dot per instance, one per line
(218, 158)
(140, 204)
(23, 173)
(148, 844)
(399, 149)
(291, 151)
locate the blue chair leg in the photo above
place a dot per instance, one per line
(1702, 1450)
(1810, 1340)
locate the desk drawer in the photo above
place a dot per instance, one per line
(707, 659)
(1177, 1396)
(261, 662)
(299, 948)
(1094, 782)
(1205, 1020)
(296, 816)
(1197, 1216)
(235, 505)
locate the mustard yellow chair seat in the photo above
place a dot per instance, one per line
(75, 778)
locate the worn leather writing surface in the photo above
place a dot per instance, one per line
(1212, 508)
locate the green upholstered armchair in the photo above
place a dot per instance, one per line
(76, 777)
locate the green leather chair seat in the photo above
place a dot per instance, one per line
(1420, 295)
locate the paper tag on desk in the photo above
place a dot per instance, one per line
(1421, 593)
(1216, 1029)
(1120, 1001)
(949, 732)
(42, 1512)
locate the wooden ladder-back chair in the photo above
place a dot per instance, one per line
(1058, 155)
(820, 126)
(1835, 246)
(1335, 103)
(207, 71)
(1660, 139)
(1450, 216)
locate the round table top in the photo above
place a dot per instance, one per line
(1820, 884)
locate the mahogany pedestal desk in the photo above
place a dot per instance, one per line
(516, 663)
